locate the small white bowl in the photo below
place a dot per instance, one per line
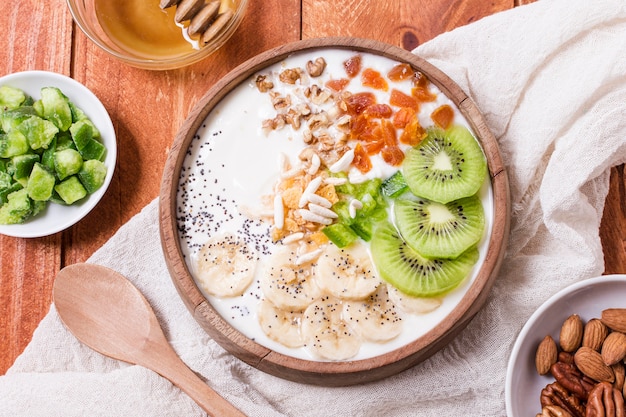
(587, 299)
(56, 217)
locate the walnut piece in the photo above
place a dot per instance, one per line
(263, 84)
(316, 68)
(290, 75)
(554, 411)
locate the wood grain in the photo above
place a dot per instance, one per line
(148, 108)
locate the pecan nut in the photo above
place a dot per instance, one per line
(605, 401)
(570, 378)
(555, 394)
(553, 411)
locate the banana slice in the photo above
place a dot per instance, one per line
(225, 266)
(326, 334)
(346, 273)
(287, 285)
(413, 305)
(376, 318)
(282, 326)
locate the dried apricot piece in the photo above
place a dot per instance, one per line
(413, 133)
(400, 72)
(372, 78)
(374, 146)
(352, 66)
(337, 84)
(361, 159)
(423, 95)
(400, 99)
(402, 117)
(443, 116)
(362, 128)
(379, 111)
(392, 155)
(358, 102)
(388, 133)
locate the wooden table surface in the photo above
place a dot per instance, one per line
(40, 34)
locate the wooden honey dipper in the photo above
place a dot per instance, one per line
(204, 17)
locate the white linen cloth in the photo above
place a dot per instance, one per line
(550, 78)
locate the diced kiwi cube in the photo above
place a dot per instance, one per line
(23, 164)
(5, 180)
(40, 183)
(10, 119)
(394, 186)
(64, 141)
(47, 156)
(70, 190)
(340, 234)
(10, 97)
(38, 131)
(93, 150)
(17, 209)
(363, 227)
(16, 186)
(67, 162)
(82, 134)
(56, 107)
(79, 115)
(38, 106)
(13, 143)
(92, 175)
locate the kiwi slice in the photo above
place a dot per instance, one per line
(447, 165)
(437, 230)
(412, 273)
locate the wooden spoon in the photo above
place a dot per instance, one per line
(107, 313)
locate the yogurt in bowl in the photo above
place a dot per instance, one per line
(244, 192)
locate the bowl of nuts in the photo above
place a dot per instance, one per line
(568, 359)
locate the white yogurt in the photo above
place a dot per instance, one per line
(232, 163)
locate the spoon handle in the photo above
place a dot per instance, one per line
(169, 365)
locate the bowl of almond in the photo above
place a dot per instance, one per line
(334, 211)
(569, 358)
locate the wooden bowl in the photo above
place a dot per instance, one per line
(348, 372)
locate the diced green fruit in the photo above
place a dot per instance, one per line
(340, 234)
(79, 114)
(23, 164)
(67, 162)
(71, 190)
(65, 141)
(394, 186)
(38, 106)
(47, 156)
(56, 107)
(40, 183)
(5, 180)
(92, 175)
(93, 150)
(10, 97)
(82, 134)
(13, 143)
(10, 119)
(363, 226)
(38, 131)
(38, 207)
(17, 209)
(16, 186)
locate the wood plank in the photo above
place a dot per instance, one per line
(36, 35)
(405, 23)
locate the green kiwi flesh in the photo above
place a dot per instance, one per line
(412, 273)
(437, 230)
(447, 165)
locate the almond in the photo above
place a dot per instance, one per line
(546, 355)
(594, 334)
(615, 319)
(614, 348)
(571, 333)
(591, 364)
